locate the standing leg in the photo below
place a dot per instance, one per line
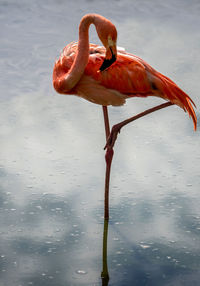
(106, 121)
(108, 158)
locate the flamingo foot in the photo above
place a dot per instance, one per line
(113, 136)
(109, 156)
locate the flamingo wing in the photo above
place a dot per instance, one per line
(115, 84)
(133, 77)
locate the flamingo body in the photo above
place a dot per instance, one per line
(129, 76)
(108, 76)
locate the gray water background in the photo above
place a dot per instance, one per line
(52, 158)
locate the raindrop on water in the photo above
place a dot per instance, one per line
(144, 246)
(50, 277)
(118, 252)
(81, 272)
(189, 185)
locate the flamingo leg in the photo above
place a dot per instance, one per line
(116, 128)
(104, 273)
(111, 138)
(108, 158)
(106, 121)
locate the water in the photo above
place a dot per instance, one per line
(52, 159)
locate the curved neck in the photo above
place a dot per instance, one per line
(82, 55)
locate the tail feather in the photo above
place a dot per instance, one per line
(170, 91)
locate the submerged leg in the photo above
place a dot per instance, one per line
(108, 158)
(116, 128)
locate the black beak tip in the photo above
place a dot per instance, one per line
(107, 63)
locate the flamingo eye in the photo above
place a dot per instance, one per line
(110, 41)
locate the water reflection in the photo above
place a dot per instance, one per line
(153, 260)
(104, 273)
(149, 241)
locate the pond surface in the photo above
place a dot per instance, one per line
(52, 158)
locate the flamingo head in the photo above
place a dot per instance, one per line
(111, 54)
(108, 35)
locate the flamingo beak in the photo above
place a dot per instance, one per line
(110, 58)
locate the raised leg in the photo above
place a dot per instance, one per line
(116, 128)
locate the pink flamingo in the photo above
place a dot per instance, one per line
(107, 76)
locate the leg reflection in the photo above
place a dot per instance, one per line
(104, 273)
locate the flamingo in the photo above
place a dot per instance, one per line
(106, 75)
